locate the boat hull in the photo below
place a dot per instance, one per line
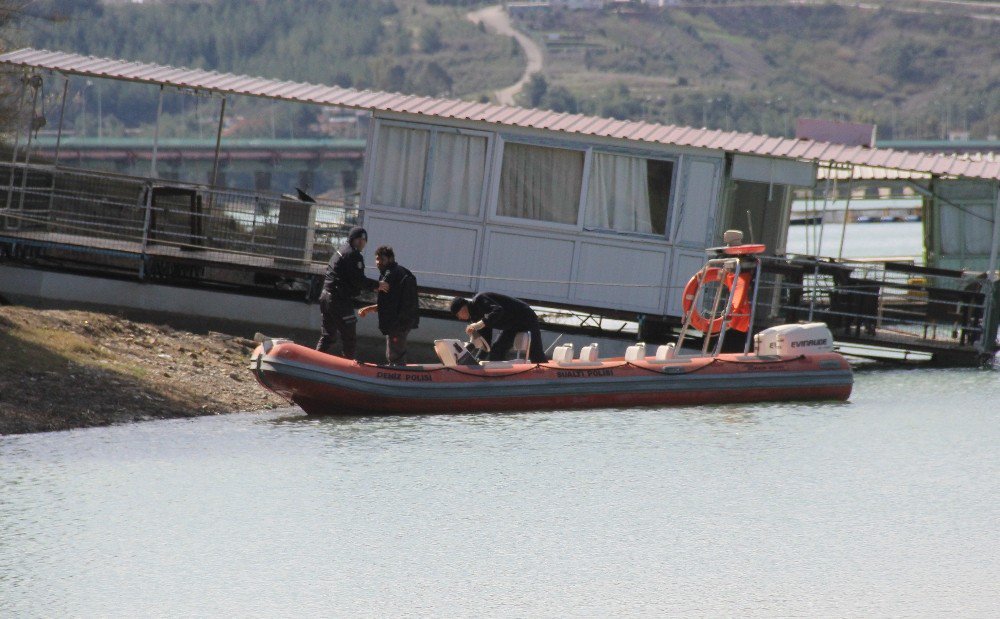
(329, 385)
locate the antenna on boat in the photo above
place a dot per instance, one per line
(554, 342)
(749, 226)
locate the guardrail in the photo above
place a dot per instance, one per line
(888, 302)
(136, 214)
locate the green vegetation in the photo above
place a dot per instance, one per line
(744, 66)
(376, 44)
(757, 68)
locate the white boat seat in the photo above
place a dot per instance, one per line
(563, 354)
(589, 353)
(665, 352)
(636, 352)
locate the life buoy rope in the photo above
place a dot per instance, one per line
(737, 314)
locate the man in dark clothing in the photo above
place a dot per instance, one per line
(490, 310)
(345, 280)
(398, 309)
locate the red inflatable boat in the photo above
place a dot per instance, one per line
(325, 384)
(789, 362)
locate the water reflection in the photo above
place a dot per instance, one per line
(884, 505)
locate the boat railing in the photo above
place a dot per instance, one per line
(718, 312)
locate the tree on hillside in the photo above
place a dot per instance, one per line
(535, 89)
(433, 80)
(430, 39)
(403, 42)
(560, 99)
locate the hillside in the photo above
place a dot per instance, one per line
(376, 44)
(755, 68)
(918, 68)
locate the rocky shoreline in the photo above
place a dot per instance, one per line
(70, 369)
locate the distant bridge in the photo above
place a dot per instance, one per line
(318, 166)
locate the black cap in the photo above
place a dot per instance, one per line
(458, 303)
(357, 233)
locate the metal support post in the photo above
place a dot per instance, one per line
(145, 229)
(17, 141)
(55, 162)
(156, 135)
(753, 305)
(812, 297)
(727, 310)
(36, 84)
(218, 143)
(995, 244)
(847, 209)
(149, 187)
(991, 309)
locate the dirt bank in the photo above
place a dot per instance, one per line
(70, 369)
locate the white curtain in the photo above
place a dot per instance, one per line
(459, 165)
(541, 183)
(618, 194)
(400, 159)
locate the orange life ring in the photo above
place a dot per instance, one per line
(739, 312)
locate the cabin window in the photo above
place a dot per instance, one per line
(540, 183)
(429, 169)
(628, 194)
(401, 162)
(458, 171)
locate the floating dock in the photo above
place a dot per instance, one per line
(604, 218)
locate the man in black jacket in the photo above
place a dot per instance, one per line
(398, 309)
(490, 310)
(345, 280)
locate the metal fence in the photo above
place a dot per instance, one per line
(887, 302)
(135, 214)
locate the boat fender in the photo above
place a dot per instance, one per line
(739, 312)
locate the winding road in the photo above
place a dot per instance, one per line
(496, 20)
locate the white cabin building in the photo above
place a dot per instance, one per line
(563, 218)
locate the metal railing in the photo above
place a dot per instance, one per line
(136, 214)
(891, 302)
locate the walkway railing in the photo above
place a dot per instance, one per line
(135, 214)
(885, 302)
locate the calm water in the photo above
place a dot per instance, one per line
(860, 240)
(887, 505)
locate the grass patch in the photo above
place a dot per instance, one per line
(39, 348)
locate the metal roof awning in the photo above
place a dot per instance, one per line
(577, 124)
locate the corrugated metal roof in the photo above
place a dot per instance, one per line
(864, 173)
(744, 143)
(968, 165)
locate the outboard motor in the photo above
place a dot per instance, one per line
(455, 352)
(793, 340)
